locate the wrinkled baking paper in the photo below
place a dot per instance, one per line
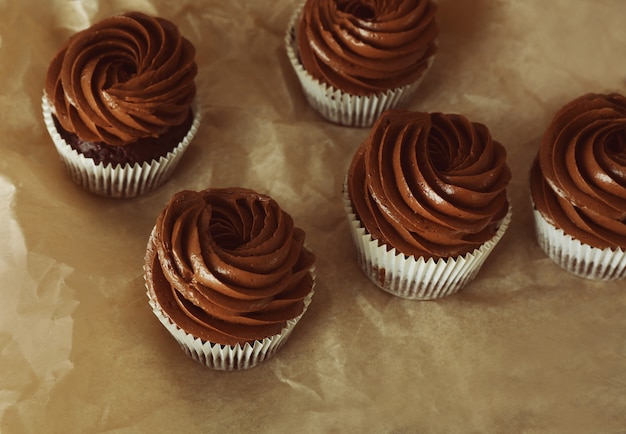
(526, 347)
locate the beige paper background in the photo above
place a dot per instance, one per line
(524, 348)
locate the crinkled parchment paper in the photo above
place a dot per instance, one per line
(526, 347)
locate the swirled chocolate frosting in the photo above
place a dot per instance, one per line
(365, 47)
(578, 180)
(123, 79)
(230, 267)
(429, 185)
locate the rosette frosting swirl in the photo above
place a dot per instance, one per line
(230, 267)
(125, 78)
(429, 185)
(578, 181)
(367, 46)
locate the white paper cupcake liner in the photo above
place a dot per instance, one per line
(340, 107)
(117, 181)
(411, 277)
(576, 257)
(218, 356)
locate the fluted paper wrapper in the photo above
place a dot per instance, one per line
(340, 107)
(411, 277)
(576, 257)
(117, 181)
(214, 355)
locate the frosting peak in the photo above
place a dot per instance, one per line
(365, 47)
(125, 78)
(431, 185)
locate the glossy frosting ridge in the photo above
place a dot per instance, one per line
(125, 78)
(578, 180)
(230, 266)
(366, 47)
(429, 184)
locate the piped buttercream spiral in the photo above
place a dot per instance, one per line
(365, 47)
(125, 78)
(230, 266)
(429, 185)
(578, 180)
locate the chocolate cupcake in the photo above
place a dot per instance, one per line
(355, 59)
(228, 275)
(119, 103)
(426, 201)
(578, 187)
